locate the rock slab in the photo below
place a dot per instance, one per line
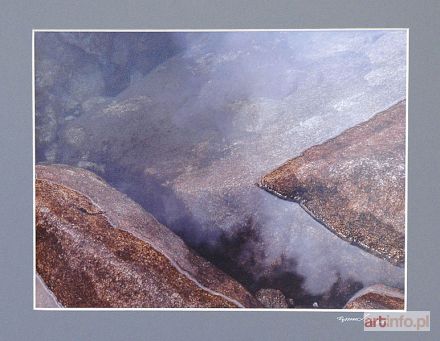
(272, 298)
(377, 297)
(354, 184)
(97, 248)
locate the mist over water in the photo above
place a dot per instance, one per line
(189, 136)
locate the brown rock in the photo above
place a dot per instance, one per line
(97, 248)
(377, 297)
(354, 184)
(271, 298)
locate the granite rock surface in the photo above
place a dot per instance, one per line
(377, 297)
(272, 298)
(97, 248)
(354, 183)
(189, 139)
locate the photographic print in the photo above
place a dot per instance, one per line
(220, 169)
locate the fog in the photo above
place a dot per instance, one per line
(189, 136)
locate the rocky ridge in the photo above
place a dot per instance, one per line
(97, 248)
(354, 184)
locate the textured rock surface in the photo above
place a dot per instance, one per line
(74, 71)
(377, 297)
(207, 122)
(271, 298)
(354, 184)
(97, 248)
(189, 140)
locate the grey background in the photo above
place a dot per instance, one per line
(17, 19)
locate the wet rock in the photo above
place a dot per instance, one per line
(71, 68)
(341, 291)
(44, 298)
(377, 297)
(272, 298)
(208, 121)
(65, 76)
(123, 55)
(97, 248)
(46, 126)
(190, 138)
(354, 184)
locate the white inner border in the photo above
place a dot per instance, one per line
(221, 309)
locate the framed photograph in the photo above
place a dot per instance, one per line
(221, 169)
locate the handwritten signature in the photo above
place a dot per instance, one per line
(344, 319)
